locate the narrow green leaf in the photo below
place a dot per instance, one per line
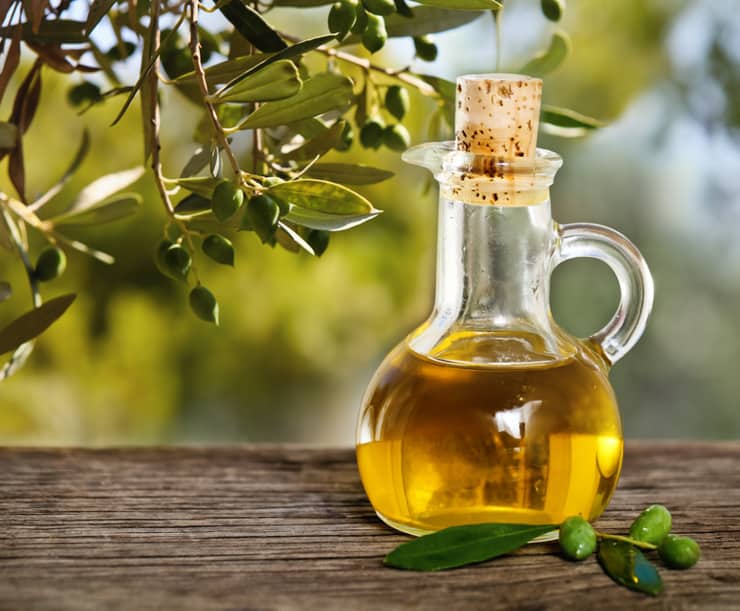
(315, 219)
(145, 70)
(224, 71)
(551, 58)
(445, 88)
(8, 135)
(461, 545)
(98, 10)
(291, 240)
(349, 173)
(302, 3)
(567, 123)
(277, 81)
(104, 187)
(6, 291)
(103, 212)
(319, 94)
(69, 172)
(33, 323)
(427, 20)
(319, 145)
(202, 185)
(55, 31)
(322, 196)
(465, 5)
(193, 204)
(627, 565)
(198, 160)
(297, 49)
(250, 24)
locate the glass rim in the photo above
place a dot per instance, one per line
(446, 162)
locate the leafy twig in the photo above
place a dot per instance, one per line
(203, 85)
(402, 75)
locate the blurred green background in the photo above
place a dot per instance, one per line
(300, 337)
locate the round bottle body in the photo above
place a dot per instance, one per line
(443, 442)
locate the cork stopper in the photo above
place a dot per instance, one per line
(498, 115)
(496, 123)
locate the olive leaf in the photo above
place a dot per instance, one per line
(201, 185)
(322, 143)
(58, 31)
(33, 323)
(250, 24)
(627, 566)
(291, 240)
(235, 70)
(466, 5)
(349, 173)
(322, 196)
(462, 545)
(302, 3)
(427, 20)
(6, 291)
(326, 221)
(193, 204)
(77, 160)
(276, 81)
(551, 58)
(8, 135)
(101, 212)
(12, 59)
(198, 160)
(319, 94)
(104, 187)
(567, 123)
(98, 10)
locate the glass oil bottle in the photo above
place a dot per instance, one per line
(488, 411)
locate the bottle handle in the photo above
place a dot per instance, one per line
(635, 282)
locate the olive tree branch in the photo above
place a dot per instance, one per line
(203, 85)
(400, 75)
(155, 145)
(23, 351)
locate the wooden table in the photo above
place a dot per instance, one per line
(290, 528)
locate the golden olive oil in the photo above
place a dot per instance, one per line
(453, 441)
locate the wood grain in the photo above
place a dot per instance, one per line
(290, 528)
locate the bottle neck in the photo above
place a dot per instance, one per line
(493, 280)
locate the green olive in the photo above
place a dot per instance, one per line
(577, 538)
(425, 48)
(360, 20)
(652, 525)
(371, 134)
(51, 264)
(346, 138)
(375, 35)
(263, 213)
(219, 248)
(397, 101)
(319, 241)
(177, 262)
(679, 552)
(396, 137)
(227, 199)
(553, 9)
(204, 304)
(85, 92)
(159, 255)
(342, 17)
(380, 7)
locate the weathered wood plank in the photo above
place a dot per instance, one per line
(290, 528)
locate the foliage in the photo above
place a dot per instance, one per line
(620, 557)
(250, 81)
